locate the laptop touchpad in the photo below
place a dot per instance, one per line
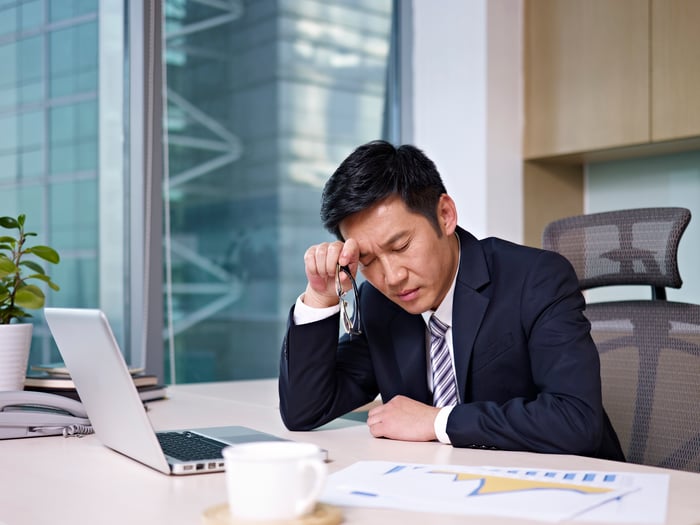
(235, 434)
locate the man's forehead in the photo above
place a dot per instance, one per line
(377, 212)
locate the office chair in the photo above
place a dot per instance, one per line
(649, 349)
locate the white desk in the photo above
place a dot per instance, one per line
(54, 480)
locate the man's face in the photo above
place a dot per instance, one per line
(401, 253)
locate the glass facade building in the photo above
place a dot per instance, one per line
(261, 101)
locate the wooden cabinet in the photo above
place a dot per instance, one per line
(603, 74)
(550, 191)
(586, 75)
(604, 80)
(675, 72)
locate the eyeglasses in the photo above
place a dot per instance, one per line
(349, 304)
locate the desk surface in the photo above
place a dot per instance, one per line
(55, 480)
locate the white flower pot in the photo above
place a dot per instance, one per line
(15, 341)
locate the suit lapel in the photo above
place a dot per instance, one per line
(469, 305)
(409, 351)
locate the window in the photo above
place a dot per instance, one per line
(264, 99)
(62, 145)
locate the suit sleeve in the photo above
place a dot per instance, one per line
(565, 413)
(322, 378)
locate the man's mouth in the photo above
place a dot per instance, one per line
(407, 295)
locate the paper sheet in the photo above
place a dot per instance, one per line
(538, 494)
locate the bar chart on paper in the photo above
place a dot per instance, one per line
(538, 494)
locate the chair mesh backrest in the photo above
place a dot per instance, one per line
(649, 350)
(650, 371)
(637, 246)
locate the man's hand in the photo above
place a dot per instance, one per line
(404, 419)
(320, 262)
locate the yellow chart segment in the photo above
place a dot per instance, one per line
(500, 484)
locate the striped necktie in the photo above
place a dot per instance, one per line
(444, 387)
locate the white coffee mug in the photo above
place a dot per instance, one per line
(273, 480)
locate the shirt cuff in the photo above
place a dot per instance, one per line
(440, 425)
(305, 314)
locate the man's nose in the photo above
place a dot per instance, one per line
(394, 273)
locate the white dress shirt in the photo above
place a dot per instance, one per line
(444, 313)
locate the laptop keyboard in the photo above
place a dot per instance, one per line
(186, 446)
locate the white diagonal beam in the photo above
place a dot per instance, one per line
(206, 167)
(200, 262)
(201, 314)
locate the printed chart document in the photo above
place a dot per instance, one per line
(533, 493)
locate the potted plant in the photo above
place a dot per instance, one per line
(18, 266)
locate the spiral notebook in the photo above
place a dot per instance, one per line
(116, 412)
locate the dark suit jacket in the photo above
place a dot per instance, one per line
(528, 371)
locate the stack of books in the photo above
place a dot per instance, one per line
(55, 379)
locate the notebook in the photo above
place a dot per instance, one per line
(116, 412)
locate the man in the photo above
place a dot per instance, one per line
(522, 371)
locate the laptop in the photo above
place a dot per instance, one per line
(116, 412)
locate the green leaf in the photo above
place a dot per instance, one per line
(15, 293)
(6, 315)
(8, 222)
(7, 267)
(34, 266)
(29, 296)
(46, 253)
(40, 276)
(44, 278)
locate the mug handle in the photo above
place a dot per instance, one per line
(319, 471)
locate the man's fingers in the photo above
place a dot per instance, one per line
(374, 418)
(403, 418)
(350, 254)
(310, 261)
(374, 422)
(332, 258)
(320, 260)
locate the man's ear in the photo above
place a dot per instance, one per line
(447, 214)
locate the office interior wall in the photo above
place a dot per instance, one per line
(668, 180)
(505, 120)
(466, 109)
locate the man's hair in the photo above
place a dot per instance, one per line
(378, 170)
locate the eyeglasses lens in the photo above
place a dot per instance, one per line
(349, 308)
